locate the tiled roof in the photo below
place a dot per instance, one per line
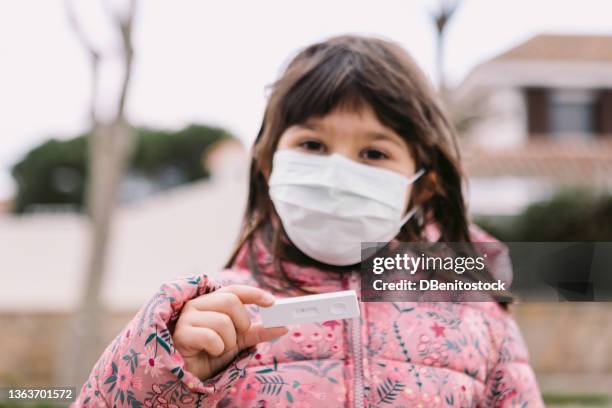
(584, 163)
(562, 48)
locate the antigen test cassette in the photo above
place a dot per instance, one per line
(311, 309)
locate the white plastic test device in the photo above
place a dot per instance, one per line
(311, 309)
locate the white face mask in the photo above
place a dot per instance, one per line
(328, 205)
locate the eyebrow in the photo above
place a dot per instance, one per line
(385, 136)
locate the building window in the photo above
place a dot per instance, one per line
(572, 113)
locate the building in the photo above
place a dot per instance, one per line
(545, 109)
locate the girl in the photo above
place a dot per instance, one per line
(353, 147)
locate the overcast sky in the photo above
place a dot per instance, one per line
(203, 61)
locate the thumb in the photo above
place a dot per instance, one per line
(258, 334)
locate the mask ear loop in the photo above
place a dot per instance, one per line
(408, 216)
(413, 210)
(416, 176)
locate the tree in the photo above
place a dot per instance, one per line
(469, 110)
(52, 173)
(110, 147)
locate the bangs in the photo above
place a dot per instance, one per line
(335, 82)
(341, 77)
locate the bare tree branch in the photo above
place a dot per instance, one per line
(441, 16)
(125, 27)
(94, 57)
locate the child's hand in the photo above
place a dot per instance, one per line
(213, 328)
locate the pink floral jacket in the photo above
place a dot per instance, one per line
(396, 354)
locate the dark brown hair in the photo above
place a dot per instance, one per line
(350, 71)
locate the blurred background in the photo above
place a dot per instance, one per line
(124, 135)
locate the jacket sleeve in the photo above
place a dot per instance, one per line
(141, 367)
(510, 381)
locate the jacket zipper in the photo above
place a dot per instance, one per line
(355, 329)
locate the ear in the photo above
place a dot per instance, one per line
(266, 170)
(260, 165)
(428, 186)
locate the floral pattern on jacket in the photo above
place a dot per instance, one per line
(396, 354)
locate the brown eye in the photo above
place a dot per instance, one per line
(312, 146)
(373, 154)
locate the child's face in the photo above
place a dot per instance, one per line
(359, 136)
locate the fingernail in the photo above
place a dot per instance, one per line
(268, 298)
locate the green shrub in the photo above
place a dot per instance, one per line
(570, 215)
(577, 400)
